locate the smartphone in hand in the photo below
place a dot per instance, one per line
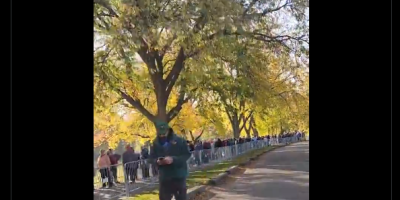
(160, 160)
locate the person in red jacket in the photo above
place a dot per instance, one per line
(114, 158)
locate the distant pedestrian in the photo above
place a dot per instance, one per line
(144, 162)
(114, 158)
(130, 160)
(104, 163)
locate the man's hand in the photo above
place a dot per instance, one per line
(166, 161)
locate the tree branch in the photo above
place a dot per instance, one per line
(165, 5)
(286, 101)
(137, 105)
(154, 68)
(117, 101)
(200, 22)
(160, 66)
(254, 126)
(245, 120)
(105, 56)
(201, 133)
(144, 47)
(229, 114)
(250, 5)
(194, 53)
(270, 10)
(178, 107)
(259, 36)
(170, 80)
(105, 5)
(247, 130)
(279, 38)
(192, 137)
(165, 64)
(241, 108)
(142, 136)
(167, 46)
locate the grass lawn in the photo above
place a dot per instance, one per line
(202, 176)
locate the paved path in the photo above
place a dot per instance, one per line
(279, 175)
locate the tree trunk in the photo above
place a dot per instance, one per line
(248, 133)
(235, 120)
(235, 126)
(253, 126)
(245, 119)
(198, 137)
(255, 132)
(248, 130)
(162, 109)
(191, 136)
(162, 87)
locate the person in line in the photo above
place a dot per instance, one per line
(94, 175)
(171, 153)
(206, 152)
(104, 163)
(191, 149)
(198, 148)
(217, 149)
(191, 145)
(144, 163)
(266, 139)
(153, 164)
(130, 161)
(114, 158)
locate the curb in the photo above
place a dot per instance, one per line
(218, 178)
(232, 169)
(194, 191)
(244, 163)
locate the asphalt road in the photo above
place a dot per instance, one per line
(278, 175)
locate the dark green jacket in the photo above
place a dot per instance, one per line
(178, 150)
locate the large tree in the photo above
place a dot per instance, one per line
(169, 36)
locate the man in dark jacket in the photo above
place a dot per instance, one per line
(171, 153)
(130, 160)
(144, 162)
(114, 162)
(198, 148)
(206, 152)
